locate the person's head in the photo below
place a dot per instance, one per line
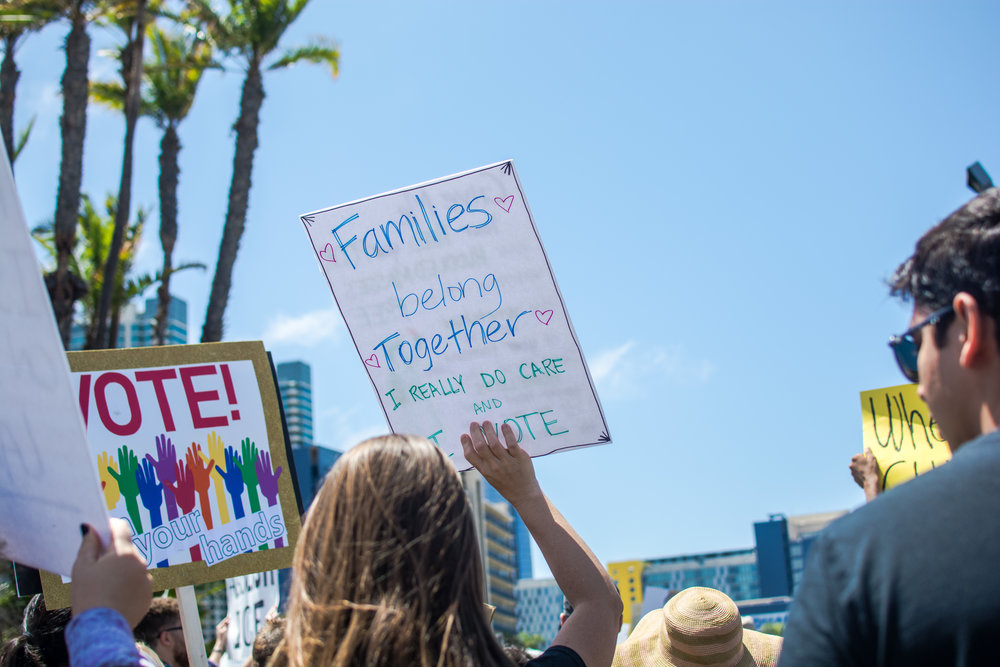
(160, 629)
(953, 280)
(42, 641)
(267, 640)
(387, 567)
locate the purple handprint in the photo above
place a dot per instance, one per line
(268, 483)
(234, 481)
(164, 463)
(267, 479)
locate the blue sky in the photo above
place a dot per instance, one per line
(722, 189)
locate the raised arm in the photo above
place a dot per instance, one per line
(597, 606)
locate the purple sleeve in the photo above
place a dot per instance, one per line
(101, 637)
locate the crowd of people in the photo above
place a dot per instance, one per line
(387, 569)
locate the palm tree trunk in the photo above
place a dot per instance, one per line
(239, 193)
(8, 82)
(73, 124)
(133, 79)
(170, 147)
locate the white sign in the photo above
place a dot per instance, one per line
(249, 600)
(455, 312)
(48, 482)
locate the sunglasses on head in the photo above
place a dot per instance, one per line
(906, 347)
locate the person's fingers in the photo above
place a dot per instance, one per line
(513, 448)
(90, 545)
(493, 442)
(121, 537)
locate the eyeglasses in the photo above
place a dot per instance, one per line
(178, 627)
(906, 345)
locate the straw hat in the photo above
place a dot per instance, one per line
(698, 626)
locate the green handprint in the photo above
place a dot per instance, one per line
(248, 468)
(128, 464)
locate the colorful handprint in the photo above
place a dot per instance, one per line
(267, 478)
(233, 478)
(128, 467)
(248, 467)
(151, 493)
(201, 471)
(269, 484)
(166, 457)
(217, 451)
(109, 484)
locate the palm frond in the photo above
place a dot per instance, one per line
(323, 54)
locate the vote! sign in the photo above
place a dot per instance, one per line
(189, 449)
(455, 312)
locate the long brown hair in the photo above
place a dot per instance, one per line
(387, 568)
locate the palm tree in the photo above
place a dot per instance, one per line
(134, 25)
(89, 257)
(250, 32)
(65, 287)
(15, 20)
(170, 80)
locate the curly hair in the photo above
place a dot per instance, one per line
(959, 254)
(387, 568)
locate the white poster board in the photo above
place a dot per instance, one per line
(48, 483)
(455, 312)
(249, 599)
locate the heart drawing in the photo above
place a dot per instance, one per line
(326, 254)
(373, 361)
(505, 203)
(544, 316)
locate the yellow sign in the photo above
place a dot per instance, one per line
(900, 431)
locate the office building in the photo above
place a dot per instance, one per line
(761, 580)
(539, 604)
(295, 386)
(138, 328)
(495, 531)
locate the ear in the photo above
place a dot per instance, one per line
(975, 330)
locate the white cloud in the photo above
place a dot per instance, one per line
(631, 369)
(308, 329)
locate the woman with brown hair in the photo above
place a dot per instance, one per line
(387, 569)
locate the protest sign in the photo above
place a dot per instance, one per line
(901, 433)
(48, 484)
(249, 599)
(190, 451)
(455, 312)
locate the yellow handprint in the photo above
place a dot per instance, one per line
(217, 452)
(109, 483)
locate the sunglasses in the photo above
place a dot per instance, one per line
(906, 346)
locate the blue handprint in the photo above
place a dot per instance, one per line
(151, 494)
(233, 478)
